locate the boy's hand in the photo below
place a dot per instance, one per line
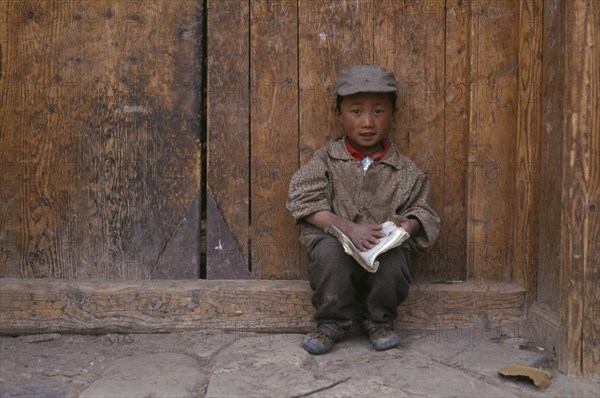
(365, 236)
(410, 225)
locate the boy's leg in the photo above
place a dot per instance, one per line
(386, 289)
(332, 277)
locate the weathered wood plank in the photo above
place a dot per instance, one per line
(228, 129)
(551, 149)
(101, 131)
(181, 257)
(101, 306)
(274, 146)
(227, 261)
(453, 238)
(580, 271)
(35, 101)
(526, 215)
(432, 306)
(493, 123)
(591, 170)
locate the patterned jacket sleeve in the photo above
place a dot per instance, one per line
(417, 207)
(309, 190)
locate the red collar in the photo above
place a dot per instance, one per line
(356, 154)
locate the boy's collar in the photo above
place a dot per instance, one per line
(358, 155)
(338, 151)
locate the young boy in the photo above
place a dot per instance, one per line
(356, 183)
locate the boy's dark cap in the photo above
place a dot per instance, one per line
(365, 79)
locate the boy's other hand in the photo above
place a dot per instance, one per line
(410, 225)
(365, 236)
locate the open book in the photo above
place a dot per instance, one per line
(394, 236)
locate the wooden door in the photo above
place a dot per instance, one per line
(100, 138)
(271, 67)
(102, 131)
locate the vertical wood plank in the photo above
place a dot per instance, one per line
(37, 100)
(456, 137)
(591, 170)
(527, 151)
(551, 149)
(493, 115)
(26, 144)
(580, 271)
(91, 87)
(7, 167)
(228, 135)
(274, 143)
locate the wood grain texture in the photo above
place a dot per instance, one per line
(274, 141)
(332, 35)
(100, 134)
(453, 238)
(591, 172)
(529, 130)
(580, 270)
(493, 126)
(434, 306)
(100, 306)
(551, 160)
(227, 261)
(228, 127)
(181, 257)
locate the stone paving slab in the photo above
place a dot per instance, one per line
(149, 375)
(280, 367)
(215, 363)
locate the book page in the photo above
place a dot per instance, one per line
(395, 236)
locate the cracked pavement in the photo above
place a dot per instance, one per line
(440, 363)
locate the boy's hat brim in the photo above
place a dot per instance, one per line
(365, 79)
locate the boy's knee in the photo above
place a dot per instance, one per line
(326, 251)
(394, 266)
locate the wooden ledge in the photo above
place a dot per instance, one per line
(127, 306)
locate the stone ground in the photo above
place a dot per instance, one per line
(438, 363)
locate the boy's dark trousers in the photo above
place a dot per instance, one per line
(341, 285)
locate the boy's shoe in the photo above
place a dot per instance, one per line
(382, 336)
(318, 343)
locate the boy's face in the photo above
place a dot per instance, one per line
(366, 119)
